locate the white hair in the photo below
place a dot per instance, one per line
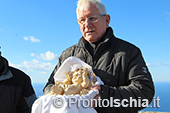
(85, 4)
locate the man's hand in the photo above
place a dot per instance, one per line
(97, 96)
(96, 87)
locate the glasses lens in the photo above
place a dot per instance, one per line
(81, 20)
(93, 19)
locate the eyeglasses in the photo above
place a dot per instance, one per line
(92, 19)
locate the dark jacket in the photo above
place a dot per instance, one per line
(120, 66)
(16, 92)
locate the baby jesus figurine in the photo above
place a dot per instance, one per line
(77, 82)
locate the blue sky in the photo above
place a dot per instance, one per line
(33, 33)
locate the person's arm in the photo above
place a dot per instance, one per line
(28, 97)
(140, 87)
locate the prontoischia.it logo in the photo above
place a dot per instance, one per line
(131, 102)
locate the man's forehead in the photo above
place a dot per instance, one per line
(88, 12)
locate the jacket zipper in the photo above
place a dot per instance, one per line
(95, 51)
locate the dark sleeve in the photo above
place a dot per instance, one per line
(28, 96)
(140, 86)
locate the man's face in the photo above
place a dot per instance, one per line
(92, 32)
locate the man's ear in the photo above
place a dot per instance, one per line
(107, 20)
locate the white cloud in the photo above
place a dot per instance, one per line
(157, 64)
(32, 39)
(34, 65)
(15, 65)
(148, 64)
(162, 64)
(25, 38)
(37, 65)
(49, 56)
(32, 54)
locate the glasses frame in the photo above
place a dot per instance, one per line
(97, 17)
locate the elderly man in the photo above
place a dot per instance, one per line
(16, 92)
(118, 63)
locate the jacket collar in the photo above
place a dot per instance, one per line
(107, 36)
(6, 73)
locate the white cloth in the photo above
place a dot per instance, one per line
(66, 104)
(45, 104)
(70, 64)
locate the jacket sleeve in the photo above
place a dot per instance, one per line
(28, 97)
(140, 86)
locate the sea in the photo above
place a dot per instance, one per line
(160, 103)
